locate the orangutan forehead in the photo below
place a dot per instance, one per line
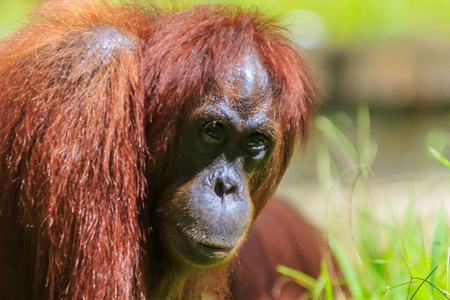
(245, 96)
(248, 76)
(245, 99)
(245, 84)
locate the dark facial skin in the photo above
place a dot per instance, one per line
(225, 143)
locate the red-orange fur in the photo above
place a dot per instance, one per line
(81, 138)
(280, 236)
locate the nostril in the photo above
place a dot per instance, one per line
(225, 186)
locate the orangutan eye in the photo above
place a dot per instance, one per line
(256, 143)
(213, 133)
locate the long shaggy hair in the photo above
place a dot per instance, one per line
(91, 94)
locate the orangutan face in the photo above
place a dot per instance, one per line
(221, 148)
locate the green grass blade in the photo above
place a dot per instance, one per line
(351, 278)
(364, 134)
(422, 282)
(437, 245)
(328, 284)
(318, 289)
(440, 157)
(340, 143)
(440, 290)
(403, 257)
(447, 271)
(304, 280)
(407, 265)
(323, 163)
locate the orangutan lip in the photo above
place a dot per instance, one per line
(214, 246)
(213, 252)
(212, 249)
(202, 251)
(208, 245)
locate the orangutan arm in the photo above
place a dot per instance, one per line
(72, 133)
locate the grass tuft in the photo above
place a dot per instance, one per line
(385, 250)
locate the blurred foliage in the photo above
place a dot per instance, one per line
(438, 141)
(349, 21)
(384, 251)
(345, 21)
(13, 14)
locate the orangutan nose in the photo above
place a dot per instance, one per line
(225, 185)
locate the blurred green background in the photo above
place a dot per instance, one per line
(346, 21)
(350, 21)
(368, 177)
